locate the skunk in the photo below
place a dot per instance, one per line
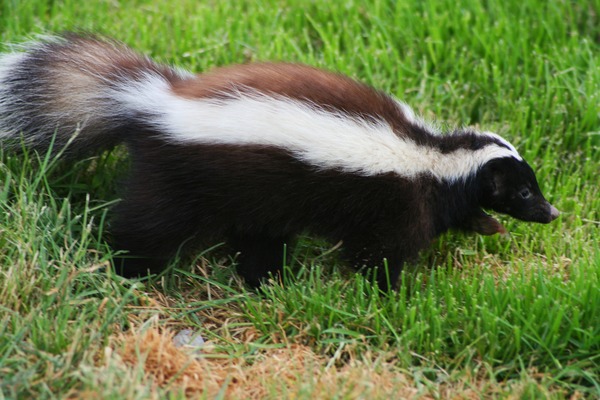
(256, 154)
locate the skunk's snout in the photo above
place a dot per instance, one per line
(546, 213)
(542, 212)
(554, 213)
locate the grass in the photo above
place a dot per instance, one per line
(512, 317)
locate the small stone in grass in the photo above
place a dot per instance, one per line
(189, 339)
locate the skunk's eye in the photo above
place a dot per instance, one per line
(525, 193)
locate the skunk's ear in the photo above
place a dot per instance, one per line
(492, 179)
(485, 224)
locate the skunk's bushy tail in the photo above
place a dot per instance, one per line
(73, 86)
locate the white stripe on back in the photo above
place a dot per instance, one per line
(320, 138)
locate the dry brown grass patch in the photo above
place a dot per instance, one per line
(295, 371)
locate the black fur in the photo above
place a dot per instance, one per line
(182, 197)
(510, 187)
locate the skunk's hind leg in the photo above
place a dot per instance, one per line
(150, 237)
(142, 253)
(381, 262)
(259, 256)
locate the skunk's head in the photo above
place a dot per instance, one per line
(508, 185)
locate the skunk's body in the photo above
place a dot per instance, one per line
(255, 154)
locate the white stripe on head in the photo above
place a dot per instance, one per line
(504, 142)
(320, 138)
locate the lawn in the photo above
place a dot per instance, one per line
(516, 316)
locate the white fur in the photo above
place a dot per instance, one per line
(415, 119)
(320, 138)
(8, 63)
(70, 97)
(505, 142)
